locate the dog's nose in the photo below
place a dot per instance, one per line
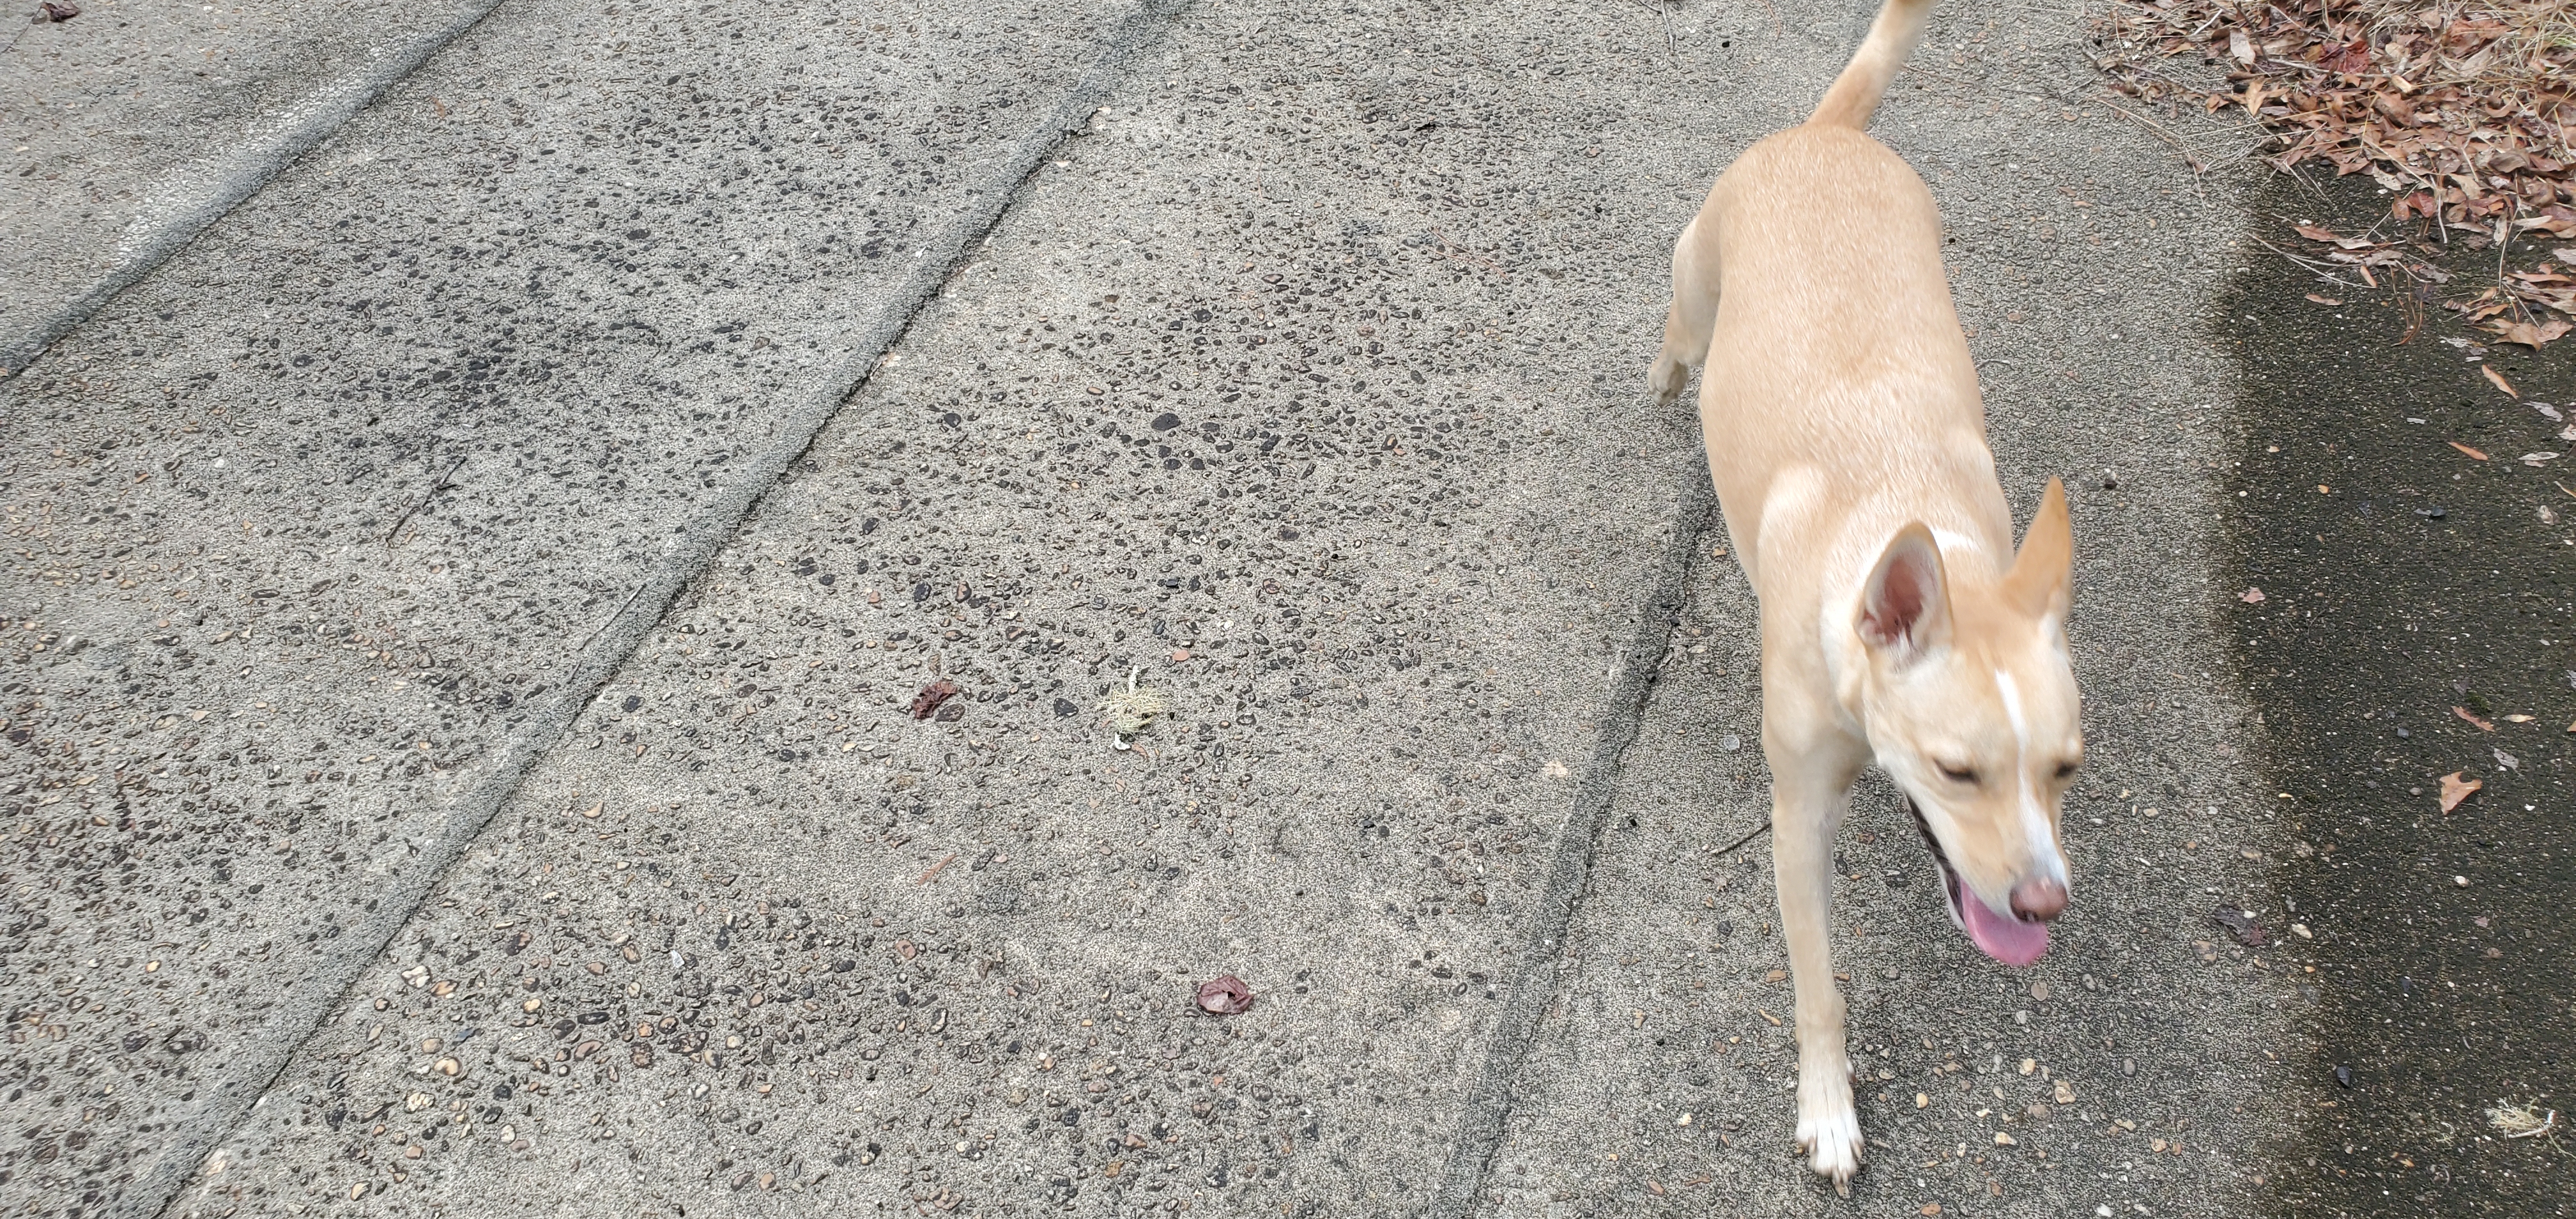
(2039, 898)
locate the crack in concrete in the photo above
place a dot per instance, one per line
(306, 1004)
(1640, 664)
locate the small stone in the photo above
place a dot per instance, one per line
(2039, 990)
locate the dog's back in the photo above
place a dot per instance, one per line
(1834, 346)
(1812, 288)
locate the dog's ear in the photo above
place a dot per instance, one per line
(2042, 578)
(1905, 607)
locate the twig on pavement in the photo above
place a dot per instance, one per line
(1730, 848)
(2158, 128)
(434, 488)
(2318, 268)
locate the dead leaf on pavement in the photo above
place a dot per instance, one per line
(2251, 596)
(2470, 451)
(2456, 789)
(2466, 714)
(926, 702)
(58, 10)
(2332, 238)
(2323, 300)
(2500, 382)
(2242, 924)
(1226, 996)
(2533, 336)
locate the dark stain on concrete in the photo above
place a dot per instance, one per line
(2402, 578)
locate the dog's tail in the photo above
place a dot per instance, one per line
(1856, 92)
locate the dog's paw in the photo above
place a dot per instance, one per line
(1828, 1128)
(1667, 379)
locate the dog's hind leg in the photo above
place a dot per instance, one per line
(1693, 316)
(1809, 795)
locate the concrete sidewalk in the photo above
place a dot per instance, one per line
(329, 525)
(135, 124)
(1301, 391)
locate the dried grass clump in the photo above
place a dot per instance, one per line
(2459, 109)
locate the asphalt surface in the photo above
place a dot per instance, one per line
(2414, 623)
(468, 604)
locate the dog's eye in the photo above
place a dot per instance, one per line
(2066, 770)
(1957, 774)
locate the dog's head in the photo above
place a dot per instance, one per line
(1970, 704)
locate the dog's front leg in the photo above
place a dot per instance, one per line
(1810, 791)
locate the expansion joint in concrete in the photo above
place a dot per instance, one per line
(1535, 986)
(151, 240)
(304, 1005)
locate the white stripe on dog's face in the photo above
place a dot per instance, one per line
(2035, 827)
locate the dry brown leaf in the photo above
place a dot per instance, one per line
(2471, 716)
(2470, 451)
(2498, 380)
(931, 696)
(2533, 336)
(1225, 996)
(2456, 789)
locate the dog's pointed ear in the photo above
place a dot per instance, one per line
(2043, 574)
(1905, 607)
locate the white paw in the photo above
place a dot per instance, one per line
(1667, 378)
(1828, 1128)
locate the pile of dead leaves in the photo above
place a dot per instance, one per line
(2508, 312)
(2517, 309)
(2458, 107)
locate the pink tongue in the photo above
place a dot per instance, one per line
(2008, 940)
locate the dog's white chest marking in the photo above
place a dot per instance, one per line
(2034, 819)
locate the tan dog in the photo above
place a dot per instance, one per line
(1848, 445)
